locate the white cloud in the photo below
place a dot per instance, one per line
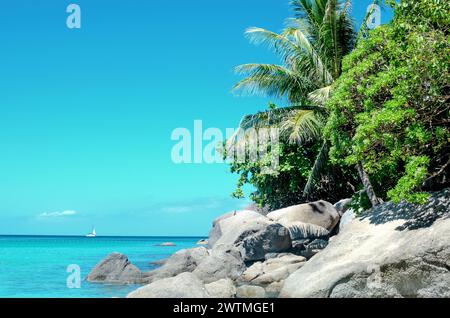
(58, 214)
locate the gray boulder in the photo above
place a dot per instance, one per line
(272, 270)
(319, 213)
(253, 235)
(220, 263)
(270, 238)
(227, 223)
(301, 230)
(185, 285)
(116, 269)
(223, 288)
(182, 261)
(247, 291)
(346, 218)
(342, 206)
(379, 256)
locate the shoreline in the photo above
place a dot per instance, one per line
(281, 255)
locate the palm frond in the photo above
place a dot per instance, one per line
(320, 96)
(301, 126)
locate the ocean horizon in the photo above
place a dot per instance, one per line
(36, 265)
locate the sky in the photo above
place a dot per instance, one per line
(86, 115)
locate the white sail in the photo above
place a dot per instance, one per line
(93, 233)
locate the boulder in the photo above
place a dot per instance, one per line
(301, 230)
(253, 235)
(220, 263)
(342, 206)
(261, 238)
(223, 288)
(247, 291)
(346, 218)
(272, 270)
(380, 255)
(185, 285)
(319, 213)
(273, 289)
(116, 269)
(227, 222)
(182, 261)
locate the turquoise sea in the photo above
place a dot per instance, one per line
(36, 266)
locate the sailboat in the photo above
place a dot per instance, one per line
(92, 234)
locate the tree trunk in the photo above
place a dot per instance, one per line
(367, 185)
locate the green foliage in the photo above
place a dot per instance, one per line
(282, 188)
(285, 187)
(390, 107)
(360, 202)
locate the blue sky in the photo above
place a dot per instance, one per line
(86, 115)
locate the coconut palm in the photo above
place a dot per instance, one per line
(311, 48)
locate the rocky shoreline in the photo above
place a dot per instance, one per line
(311, 250)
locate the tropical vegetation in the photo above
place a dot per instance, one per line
(367, 114)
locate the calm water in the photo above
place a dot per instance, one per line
(35, 266)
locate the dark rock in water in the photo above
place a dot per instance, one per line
(167, 244)
(116, 269)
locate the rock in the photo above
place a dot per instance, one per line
(167, 244)
(185, 285)
(256, 241)
(247, 291)
(202, 242)
(220, 263)
(317, 244)
(342, 206)
(227, 222)
(380, 256)
(346, 218)
(273, 290)
(252, 234)
(308, 253)
(319, 213)
(300, 230)
(223, 288)
(272, 270)
(182, 261)
(116, 269)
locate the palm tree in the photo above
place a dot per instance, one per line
(311, 48)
